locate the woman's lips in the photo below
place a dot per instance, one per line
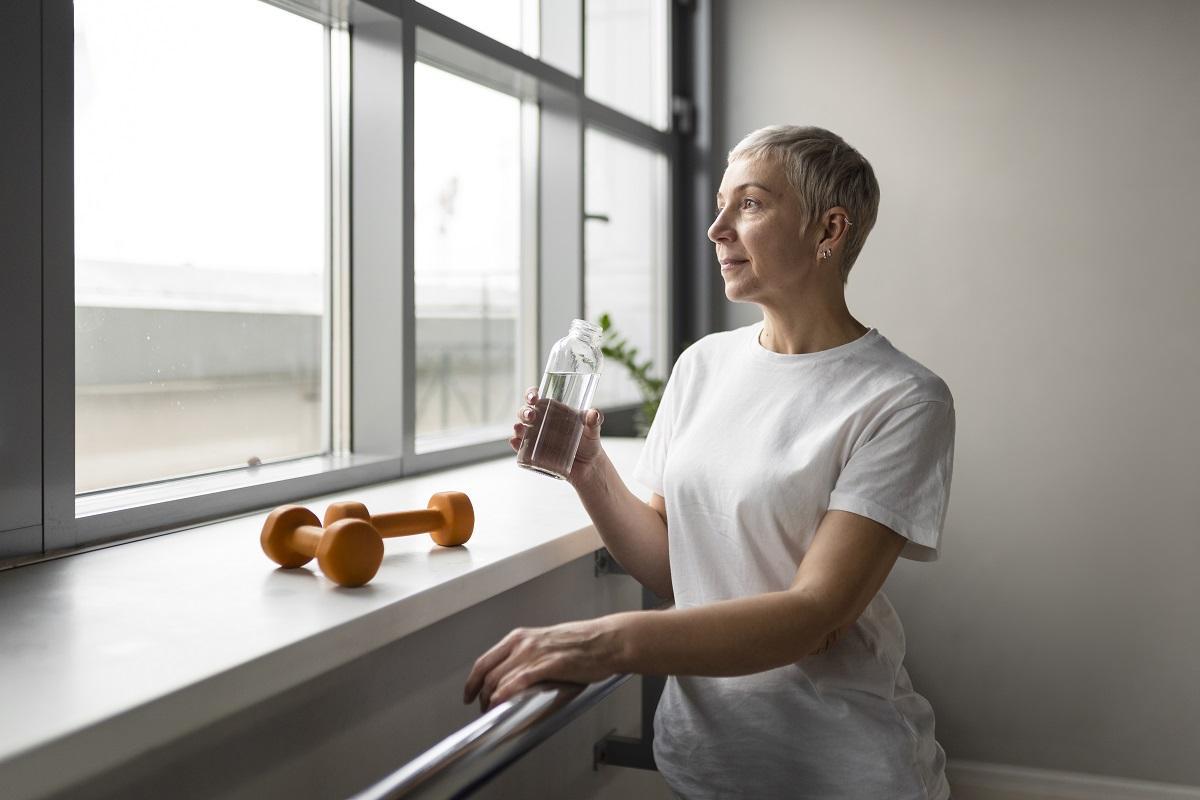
(732, 264)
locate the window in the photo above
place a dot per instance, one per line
(625, 253)
(286, 277)
(627, 57)
(467, 213)
(201, 238)
(511, 22)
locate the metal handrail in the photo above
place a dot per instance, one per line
(467, 759)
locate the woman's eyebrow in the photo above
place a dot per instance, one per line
(745, 185)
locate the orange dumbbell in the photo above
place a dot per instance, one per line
(349, 552)
(449, 519)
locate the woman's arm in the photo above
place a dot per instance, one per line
(845, 567)
(634, 532)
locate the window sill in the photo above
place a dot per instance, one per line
(110, 653)
(111, 500)
(165, 505)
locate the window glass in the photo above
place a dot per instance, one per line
(561, 42)
(467, 189)
(200, 238)
(626, 57)
(511, 22)
(624, 254)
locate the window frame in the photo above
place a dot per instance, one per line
(45, 518)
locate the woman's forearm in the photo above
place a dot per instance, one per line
(633, 532)
(732, 637)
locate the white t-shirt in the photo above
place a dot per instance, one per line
(750, 448)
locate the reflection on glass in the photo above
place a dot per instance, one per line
(511, 22)
(467, 242)
(624, 254)
(626, 57)
(200, 237)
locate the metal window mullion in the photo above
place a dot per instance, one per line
(58, 275)
(561, 227)
(408, 312)
(528, 358)
(581, 177)
(379, 231)
(598, 115)
(329, 267)
(582, 47)
(21, 326)
(338, 421)
(698, 290)
(668, 247)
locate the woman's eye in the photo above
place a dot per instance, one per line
(749, 202)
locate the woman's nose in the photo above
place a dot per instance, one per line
(720, 230)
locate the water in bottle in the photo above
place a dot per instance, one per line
(572, 371)
(550, 444)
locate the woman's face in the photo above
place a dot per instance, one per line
(758, 233)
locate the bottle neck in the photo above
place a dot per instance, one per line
(586, 331)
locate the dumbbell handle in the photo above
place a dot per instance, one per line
(306, 538)
(406, 523)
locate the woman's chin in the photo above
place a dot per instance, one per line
(736, 292)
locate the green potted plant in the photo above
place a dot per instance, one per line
(616, 348)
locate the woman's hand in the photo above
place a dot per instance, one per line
(589, 443)
(574, 652)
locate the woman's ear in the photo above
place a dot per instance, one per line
(835, 227)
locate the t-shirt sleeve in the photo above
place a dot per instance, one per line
(652, 462)
(900, 476)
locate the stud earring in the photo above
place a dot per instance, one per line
(825, 253)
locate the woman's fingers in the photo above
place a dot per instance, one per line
(511, 657)
(494, 678)
(486, 663)
(578, 652)
(519, 680)
(527, 414)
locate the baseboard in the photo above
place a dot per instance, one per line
(1073, 785)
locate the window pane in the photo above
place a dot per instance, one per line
(561, 42)
(512, 22)
(627, 57)
(624, 254)
(468, 249)
(200, 235)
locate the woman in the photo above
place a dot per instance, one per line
(792, 462)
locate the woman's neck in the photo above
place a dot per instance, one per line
(808, 334)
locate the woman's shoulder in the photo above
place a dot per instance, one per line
(712, 347)
(719, 343)
(908, 379)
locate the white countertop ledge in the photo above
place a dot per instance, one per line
(106, 654)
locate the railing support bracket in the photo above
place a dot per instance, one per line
(623, 751)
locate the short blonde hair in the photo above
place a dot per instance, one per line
(824, 172)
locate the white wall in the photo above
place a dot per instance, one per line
(1036, 248)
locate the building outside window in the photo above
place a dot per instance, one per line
(201, 238)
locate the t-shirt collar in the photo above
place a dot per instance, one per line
(841, 351)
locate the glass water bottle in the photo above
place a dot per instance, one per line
(572, 370)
